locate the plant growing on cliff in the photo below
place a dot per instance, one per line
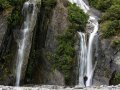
(113, 13)
(49, 4)
(110, 20)
(64, 58)
(77, 17)
(4, 4)
(100, 4)
(16, 17)
(115, 43)
(116, 79)
(110, 28)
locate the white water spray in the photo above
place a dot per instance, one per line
(86, 64)
(30, 14)
(89, 54)
(83, 58)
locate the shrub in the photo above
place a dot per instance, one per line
(16, 2)
(64, 59)
(4, 4)
(115, 43)
(115, 2)
(77, 17)
(14, 19)
(110, 23)
(110, 28)
(102, 5)
(49, 4)
(106, 29)
(116, 79)
(113, 13)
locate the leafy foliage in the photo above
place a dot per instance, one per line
(110, 20)
(64, 58)
(16, 16)
(16, 2)
(116, 79)
(49, 4)
(110, 28)
(100, 4)
(113, 13)
(14, 19)
(4, 4)
(115, 43)
(77, 17)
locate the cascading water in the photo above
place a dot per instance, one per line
(83, 58)
(86, 64)
(90, 68)
(30, 14)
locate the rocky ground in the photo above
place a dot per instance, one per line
(53, 87)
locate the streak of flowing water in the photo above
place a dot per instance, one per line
(86, 62)
(89, 54)
(83, 57)
(30, 15)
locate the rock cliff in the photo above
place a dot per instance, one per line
(52, 21)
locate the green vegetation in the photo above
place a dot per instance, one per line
(110, 20)
(37, 55)
(100, 4)
(113, 13)
(64, 59)
(77, 17)
(5, 66)
(115, 43)
(49, 4)
(14, 18)
(5, 4)
(110, 28)
(116, 79)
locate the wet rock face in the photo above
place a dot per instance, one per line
(3, 26)
(5, 45)
(103, 66)
(57, 26)
(108, 62)
(31, 6)
(27, 8)
(45, 41)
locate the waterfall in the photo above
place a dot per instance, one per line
(90, 68)
(86, 67)
(83, 58)
(24, 43)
